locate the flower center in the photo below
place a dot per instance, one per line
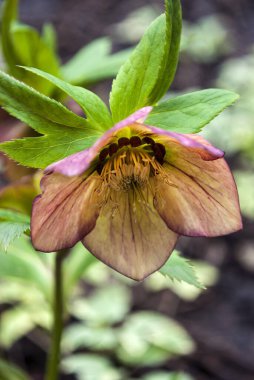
(130, 163)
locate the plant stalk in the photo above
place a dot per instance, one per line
(53, 360)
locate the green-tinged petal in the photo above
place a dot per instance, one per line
(197, 197)
(131, 237)
(64, 213)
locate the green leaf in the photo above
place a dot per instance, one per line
(180, 269)
(191, 112)
(39, 152)
(147, 74)
(95, 109)
(10, 231)
(245, 185)
(92, 367)
(11, 372)
(167, 376)
(24, 99)
(32, 50)
(23, 263)
(66, 132)
(87, 56)
(49, 37)
(8, 16)
(22, 45)
(171, 50)
(99, 308)
(13, 216)
(137, 78)
(14, 324)
(94, 63)
(12, 225)
(79, 335)
(149, 338)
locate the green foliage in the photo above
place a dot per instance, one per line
(12, 225)
(137, 77)
(245, 186)
(9, 14)
(92, 367)
(216, 44)
(81, 335)
(189, 113)
(149, 338)
(180, 269)
(39, 152)
(99, 308)
(171, 50)
(150, 69)
(167, 376)
(96, 111)
(94, 63)
(34, 108)
(65, 132)
(22, 319)
(22, 263)
(22, 45)
(10, 372)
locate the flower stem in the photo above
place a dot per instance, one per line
(52, 370)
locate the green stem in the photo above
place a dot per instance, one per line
(53, 360)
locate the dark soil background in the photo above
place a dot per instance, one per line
(221, 320)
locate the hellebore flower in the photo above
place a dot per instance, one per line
(130, 196)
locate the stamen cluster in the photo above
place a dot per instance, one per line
(129, 163)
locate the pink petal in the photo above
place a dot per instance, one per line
(78, 163)
(197, 197)
(131, 237)
(193, 142)
(65, 212)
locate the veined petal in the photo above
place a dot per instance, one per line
(196, 197)
(78, 163)
(132, 239)
(65, 212)
(194, 143)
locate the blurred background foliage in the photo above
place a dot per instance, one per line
(117, 329)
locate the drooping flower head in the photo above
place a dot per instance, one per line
(130, 196)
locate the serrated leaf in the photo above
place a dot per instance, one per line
(191, 112)
(94, 63)
(95, 109)
(22, 98)
(149, 71)
(136, 79)
(39, 152)
(12, 225)
(10, 231)
(180, 269)
(66, 132)
(171, 50)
